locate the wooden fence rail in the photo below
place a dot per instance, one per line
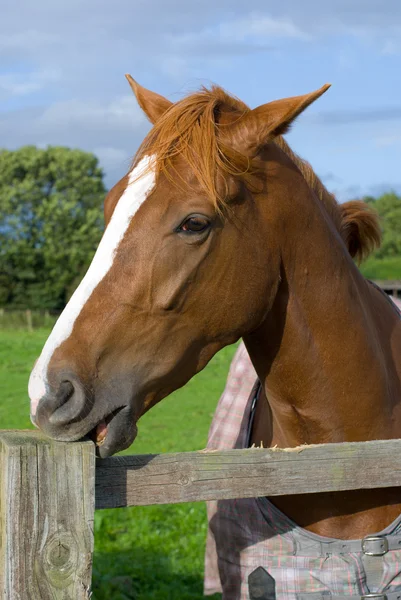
(49, 491)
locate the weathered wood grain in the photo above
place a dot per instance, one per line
(47, 495)
(46, 517)
(191, 476)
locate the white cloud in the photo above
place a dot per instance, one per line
(26, 40)
(251, 33)
(112, 156)
(11, 85)
(261, 27)
(113, 130)
(392, 139)
(70, 57)
(96, 34)
(175, 67)
(115, 161)
(22, 84)
(391, 47)
(122, 113)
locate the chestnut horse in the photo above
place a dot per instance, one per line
(219, 231)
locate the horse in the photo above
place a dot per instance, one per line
(218, 232)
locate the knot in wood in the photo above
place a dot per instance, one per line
(184, 477)
(60, 558)
(59, 555)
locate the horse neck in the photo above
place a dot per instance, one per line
(323, 353)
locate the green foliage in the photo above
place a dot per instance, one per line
(385, 263)
(389, 208)
(50, 223)
(382, 269)
(141, 552)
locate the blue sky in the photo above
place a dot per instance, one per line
(62, 71)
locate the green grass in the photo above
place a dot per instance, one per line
(141, 553)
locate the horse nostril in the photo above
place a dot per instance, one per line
(69, 402)
(64, 393)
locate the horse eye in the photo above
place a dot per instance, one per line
(195, 224)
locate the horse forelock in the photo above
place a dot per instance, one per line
(193, 128)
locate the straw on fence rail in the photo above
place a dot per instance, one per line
(47, 495)
(192, 476)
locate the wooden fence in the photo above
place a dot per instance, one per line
(27, 319)
(50, 490)
(390, 286)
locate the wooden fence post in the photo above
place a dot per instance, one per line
(28, 314)
(46, 517)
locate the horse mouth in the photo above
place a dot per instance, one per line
(115, 432)
(99, 433)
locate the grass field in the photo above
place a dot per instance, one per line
(141, 553)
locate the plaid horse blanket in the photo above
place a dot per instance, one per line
(250, 541)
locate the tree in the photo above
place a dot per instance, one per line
(389, 208)
(50, 223)
(385, 263)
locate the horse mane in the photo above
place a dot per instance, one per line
(192, 128)
(357, 222)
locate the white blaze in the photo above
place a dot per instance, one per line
(141, 181)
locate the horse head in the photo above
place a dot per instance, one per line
(189, 262)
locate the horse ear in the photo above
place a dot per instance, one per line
(258, 126)
(152, 104)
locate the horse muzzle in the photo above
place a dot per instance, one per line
(72, 411)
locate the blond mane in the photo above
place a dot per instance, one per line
(193, 129)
